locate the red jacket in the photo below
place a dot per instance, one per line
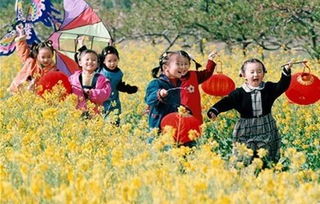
(190, 95)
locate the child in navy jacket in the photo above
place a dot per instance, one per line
(253, 100)
(163, 93)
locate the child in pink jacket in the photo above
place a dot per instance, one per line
(87, 84)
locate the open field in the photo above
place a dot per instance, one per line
(48, 154)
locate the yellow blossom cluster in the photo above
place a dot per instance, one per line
(50, 154)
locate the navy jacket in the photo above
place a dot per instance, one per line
(240, 100)
(159, 107)
(115, 77)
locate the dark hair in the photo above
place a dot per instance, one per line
(34, 50)
(253, 60)
(108, 50)
(185, 54)
(87, 51)
(77, 54)
(164, 58)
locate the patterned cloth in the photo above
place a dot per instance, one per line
(260, 132)
(255, 98)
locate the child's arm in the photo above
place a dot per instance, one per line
(123, 87)
(81, 47)
(155, 94)
(23, 50)
(284, 82)
(225, 104)
(102, 91)
(207, 73)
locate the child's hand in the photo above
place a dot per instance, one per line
(211, 115)
(20, 29)
(31, 84)
(80, 40)
(111, 43)
(212, 55)
(132, 89)
(288, 66)
(163, 93)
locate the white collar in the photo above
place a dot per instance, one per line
(249, 88)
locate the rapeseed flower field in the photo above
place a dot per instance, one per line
(49, 154)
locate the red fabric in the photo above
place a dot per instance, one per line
(87, 17)
(304, 89)
(52, 78)
(71, 65)
(182, 124)
(218, 85)
(190, 95)
(203, 75)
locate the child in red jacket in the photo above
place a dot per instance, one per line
(190, 95)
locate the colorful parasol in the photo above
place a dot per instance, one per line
(39, 11)
(79, 20)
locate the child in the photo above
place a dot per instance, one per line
(163, 94)
(87, 84)
(256, 128)
(37, 61)
(190, 95)
(109, 68)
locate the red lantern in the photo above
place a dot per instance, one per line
(52, 78)
(183, 124)
(304, 88)
(218, 85)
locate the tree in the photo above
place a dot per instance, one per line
(159, 20)
(300, 23)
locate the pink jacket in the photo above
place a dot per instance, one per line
(97, 95)
(30, 66)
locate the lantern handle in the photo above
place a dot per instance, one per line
(220, 62)
(306, 66)
(176, 88)
(298, 62)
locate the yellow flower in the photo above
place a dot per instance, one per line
(200, 186)
(278, 167)
(50, 113)
(193, 134)
(183, 111)
(262, 152)
(257, 163)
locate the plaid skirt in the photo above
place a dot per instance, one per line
(259, 133)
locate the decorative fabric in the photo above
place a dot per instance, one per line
(255, 98)
(259, 133)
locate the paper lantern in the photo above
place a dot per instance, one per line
(183, 124)
(218, 85)
(304, 88)
(52, 78)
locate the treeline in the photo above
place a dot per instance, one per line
(269, 24)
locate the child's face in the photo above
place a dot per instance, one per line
(89, 62)
(44, 56)
(253, 73)
(175, 66)
(186, 66)
(111, 61)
